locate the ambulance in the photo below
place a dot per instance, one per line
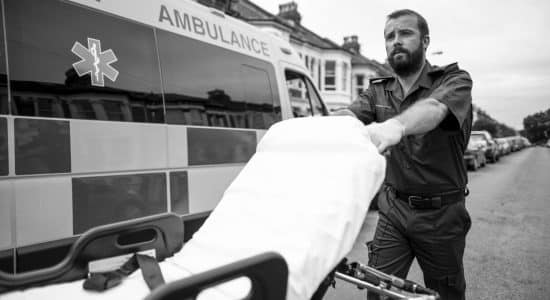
(112, 110)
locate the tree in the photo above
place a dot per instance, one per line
(486, 122)
(537, 127)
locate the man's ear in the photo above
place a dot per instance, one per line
(426, 42)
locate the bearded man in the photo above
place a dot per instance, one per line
(421, 119)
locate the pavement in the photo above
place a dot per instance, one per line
(507, 252)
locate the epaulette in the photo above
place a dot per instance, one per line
(443, 69)
(376, 80)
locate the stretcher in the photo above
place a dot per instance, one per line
(281, 229)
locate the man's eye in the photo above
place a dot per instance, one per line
(389, 36)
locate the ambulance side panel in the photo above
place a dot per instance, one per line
(111, 111)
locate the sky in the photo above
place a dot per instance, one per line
(504, 45)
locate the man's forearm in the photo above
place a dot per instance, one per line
(422, 116)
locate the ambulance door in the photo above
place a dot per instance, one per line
(301, 92)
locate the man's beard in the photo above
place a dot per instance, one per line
(408, 66)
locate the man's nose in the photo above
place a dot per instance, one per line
(396, 40)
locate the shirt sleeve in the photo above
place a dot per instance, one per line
(455, 91)
(363, 106)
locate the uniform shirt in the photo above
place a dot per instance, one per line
(429, 163)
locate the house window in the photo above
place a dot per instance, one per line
(319, 77)
(330, 75)
(360, 80)
(312, 67)
(360, 83)
(344, 77)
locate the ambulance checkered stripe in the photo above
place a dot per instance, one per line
(90, 173)
(74, 156)
(6, 238)
(41, 146)
(4, 163)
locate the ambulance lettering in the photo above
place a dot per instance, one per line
(94, 61)
(215, 32)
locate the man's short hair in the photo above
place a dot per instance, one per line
(421, 22)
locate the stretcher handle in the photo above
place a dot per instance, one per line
(391, 280)
(163, 232)
(376, 281)
(372, 287)
(268, 273)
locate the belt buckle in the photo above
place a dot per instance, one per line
(424, 202)
(410, 200)
(436, 202)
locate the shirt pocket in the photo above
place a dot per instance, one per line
(384, 112)
(428, 144)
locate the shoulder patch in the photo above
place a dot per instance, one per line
(376, 80)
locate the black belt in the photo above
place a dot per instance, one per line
(430, 201)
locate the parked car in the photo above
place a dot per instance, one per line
(503, 146)
(474, 157)
(491, 149)
(516, 143)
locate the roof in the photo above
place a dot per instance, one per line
(254, 14)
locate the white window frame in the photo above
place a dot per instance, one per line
(328, 74)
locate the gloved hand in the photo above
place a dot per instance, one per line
(385, 134)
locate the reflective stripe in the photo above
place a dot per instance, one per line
(44, 209)
(103, 200)
(219, 146)
(177, 146)
(102, 146)
(207, 185)
(4, 160)
(6, 260)
(41, 146)
(179, 192)
(52, 207)
(6, 238)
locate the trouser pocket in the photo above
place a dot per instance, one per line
(465, 216)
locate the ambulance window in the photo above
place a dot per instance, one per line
(304, 100)
(257, 92)
(208, 85)
(318, 107)
(3, 77)
(67, 61)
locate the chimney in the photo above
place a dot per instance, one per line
(352, 43)
(289, 12)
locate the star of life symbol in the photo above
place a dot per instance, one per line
(94, 61)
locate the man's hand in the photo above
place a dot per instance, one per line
(385, 134)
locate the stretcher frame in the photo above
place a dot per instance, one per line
(384, 284)
(268, 272)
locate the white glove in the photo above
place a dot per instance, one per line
(385, 134)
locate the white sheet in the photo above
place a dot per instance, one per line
(304, 194)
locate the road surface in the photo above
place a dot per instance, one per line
(507, 252)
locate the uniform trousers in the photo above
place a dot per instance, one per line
(434, 236)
